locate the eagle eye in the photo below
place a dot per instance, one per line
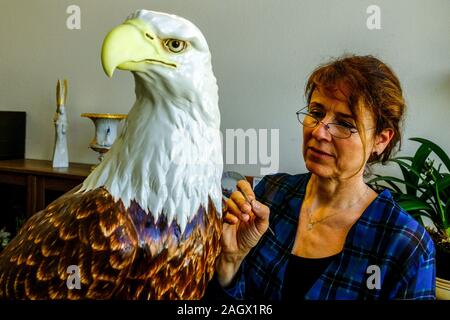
(174, 45)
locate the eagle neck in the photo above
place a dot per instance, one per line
(167, 159)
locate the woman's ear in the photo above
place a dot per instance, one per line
(382, 140)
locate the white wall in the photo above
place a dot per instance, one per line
(263, 51)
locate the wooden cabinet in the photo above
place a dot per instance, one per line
(28, 186)
(39, 178)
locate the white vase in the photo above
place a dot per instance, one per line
(106, 129)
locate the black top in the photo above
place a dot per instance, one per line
(301, 274)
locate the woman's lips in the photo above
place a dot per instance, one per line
(319, 153)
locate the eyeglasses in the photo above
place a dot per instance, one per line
(340, 129)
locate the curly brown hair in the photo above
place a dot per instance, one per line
(373, 87)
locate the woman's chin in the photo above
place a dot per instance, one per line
(318, 169)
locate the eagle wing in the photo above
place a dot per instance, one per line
(87, 230)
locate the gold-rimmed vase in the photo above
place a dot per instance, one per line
(106, 130)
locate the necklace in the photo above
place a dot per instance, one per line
(312, 222)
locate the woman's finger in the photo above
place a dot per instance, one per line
(245, 187)
(260, 210)
(238, 198)
(230, 218)
(234, 209)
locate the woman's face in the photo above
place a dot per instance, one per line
(326, 155)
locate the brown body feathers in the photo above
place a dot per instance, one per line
(119, 253)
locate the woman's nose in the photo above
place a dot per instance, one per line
(320, 132)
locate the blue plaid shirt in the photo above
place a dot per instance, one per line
(385, 236)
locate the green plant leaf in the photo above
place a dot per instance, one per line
(418, 214)
(419, 160)
(444, 187)
(447, 214)
(408, 175)
(440, 206)
(432, 212)
(436, 149)
(444, 181)
(410, 205)
(410, 170)
(405, 158)
(392, 180)
(389, 180)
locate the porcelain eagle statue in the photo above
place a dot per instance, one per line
(146, 223)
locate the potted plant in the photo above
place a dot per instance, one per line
(424, 192)
(4, 238)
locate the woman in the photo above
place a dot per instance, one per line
(333, 236)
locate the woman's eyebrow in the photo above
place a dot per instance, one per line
(341, 114)
(345, 115)
(316, 104)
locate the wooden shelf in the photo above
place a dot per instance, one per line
(44, 167)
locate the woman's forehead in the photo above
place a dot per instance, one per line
(331, 98)
(339, 91)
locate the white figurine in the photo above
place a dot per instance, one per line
(60, 153)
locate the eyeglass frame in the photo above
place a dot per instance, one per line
(326, 125)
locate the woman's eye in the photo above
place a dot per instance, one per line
(345, 124)
(316, 114)
(174, 45)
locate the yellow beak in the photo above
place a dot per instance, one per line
(132, 46)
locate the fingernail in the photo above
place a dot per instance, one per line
(245, 217)
(255, 204)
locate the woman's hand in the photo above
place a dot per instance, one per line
(246, 220)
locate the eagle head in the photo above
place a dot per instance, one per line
(168, 55)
